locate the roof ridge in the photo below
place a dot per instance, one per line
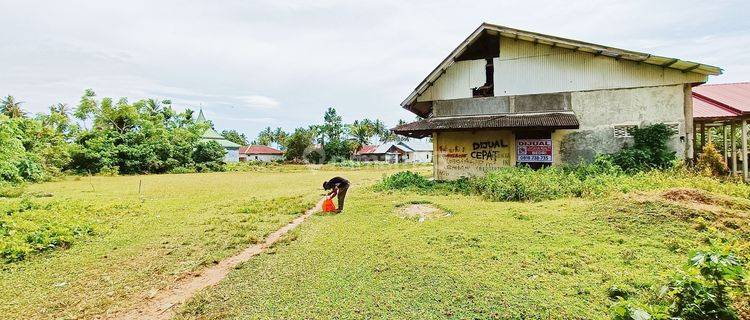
(716, 103)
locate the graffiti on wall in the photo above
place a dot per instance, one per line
(464, 154)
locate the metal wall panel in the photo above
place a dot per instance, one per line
(457, 81)
(527, 68)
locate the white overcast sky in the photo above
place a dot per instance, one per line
(252, 64)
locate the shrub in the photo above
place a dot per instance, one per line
(650, 149)
(711, 162)
(405, 180)
(704, 292)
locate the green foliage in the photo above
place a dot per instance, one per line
(404, 180)
(28, 227)
(208, 156)
(711, 162)
(297, 143)
(234, 136)
(595, 179)
(649, 150)
(704, 292)
(627, 310)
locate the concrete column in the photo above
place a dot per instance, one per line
(703, 137)
(733, 147)
(689, 126)
(724, 142)
(744, 150)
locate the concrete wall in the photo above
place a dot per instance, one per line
(418, 157)
(600, 111)
(232, 155)
(508, 104)
(470, 153)
(262, 157)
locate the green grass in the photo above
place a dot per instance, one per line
(553, 259)
(560, 258)
(133, 243)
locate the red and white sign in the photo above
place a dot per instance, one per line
(534, 150)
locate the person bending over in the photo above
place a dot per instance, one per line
(338, 187)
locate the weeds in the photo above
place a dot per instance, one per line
(599, 178)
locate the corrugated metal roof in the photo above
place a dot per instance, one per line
(705, 109)
(730, 95)
(259, 149)
(417, 145)
(367, 149)
(550, 120)
(682, 65)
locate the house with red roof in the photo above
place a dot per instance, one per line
(260, 153)
(725, 109)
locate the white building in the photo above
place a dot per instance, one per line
(413, 151)
(506, 96)
(260, 153)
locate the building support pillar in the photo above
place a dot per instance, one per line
(724, 141)
(733, 146)
(689, 124)
(703, 137)
(744, 150)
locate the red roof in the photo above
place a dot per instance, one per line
(367, 150)
(259, 149)
(705, 109)
(732, 95)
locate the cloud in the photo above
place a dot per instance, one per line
(257, 101)
(282, 63)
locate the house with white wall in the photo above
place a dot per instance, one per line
(260, 153)
(506, 96)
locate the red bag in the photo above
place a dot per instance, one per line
(328, 205)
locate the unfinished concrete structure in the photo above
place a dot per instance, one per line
(506, 96)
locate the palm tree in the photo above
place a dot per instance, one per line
(11, 108)
(362, 132)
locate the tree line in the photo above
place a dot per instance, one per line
(114, 136)
(333, 140)
(150, 136)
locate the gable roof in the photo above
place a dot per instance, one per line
(682, 65)
(734, 96)
(260, 149)
(366, 149)
(417, 145)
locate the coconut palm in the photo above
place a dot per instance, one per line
(11, 108)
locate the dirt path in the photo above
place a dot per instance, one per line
(163, 304)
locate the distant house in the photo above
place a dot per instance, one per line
(232, 149)
(396, 152)
(418, 151)
(260, 153)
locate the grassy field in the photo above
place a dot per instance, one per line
(471, 259)
(557, 259)
(134, 243)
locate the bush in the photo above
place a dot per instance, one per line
(650, 149)
(704, 291)
(405, 180)
(711, 162)
(209, 156)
